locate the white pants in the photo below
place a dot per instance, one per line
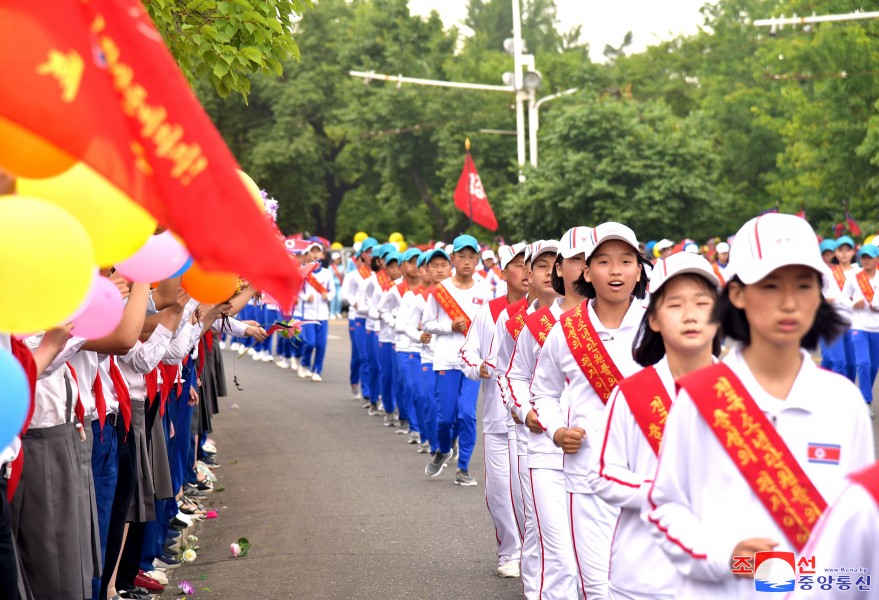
(499, 497)
(559, 579)
(530, 566)
(592, 521)
(516, 487)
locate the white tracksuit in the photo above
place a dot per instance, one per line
(545, 461)
(475, 352)
(700, 506)
(621, 474)
(591, 519)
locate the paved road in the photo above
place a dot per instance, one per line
(335, 505)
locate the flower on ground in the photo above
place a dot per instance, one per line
(186, 587)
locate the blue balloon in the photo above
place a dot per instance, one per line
(14, 399)
(184, 268)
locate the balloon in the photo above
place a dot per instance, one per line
(210, 287)
(336, 246)
(161, 257)
(360, 236)
(254, 190)
(16, 397)
(396, 237)
(48, 264)
(102, 311)
(184, 268)
(25, 154)
(402, 246)
(117, 225)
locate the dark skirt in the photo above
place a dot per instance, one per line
(51, 519)
(142, 507)
(159, 462)
(207, 395)
(219, 373)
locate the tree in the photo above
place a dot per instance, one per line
(225, 41)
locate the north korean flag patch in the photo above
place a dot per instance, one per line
(827, 454)
(478, 301)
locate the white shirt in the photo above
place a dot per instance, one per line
(317, 309)
(437, 322)
(350, 289)
(140, 360)
(413, 329)
(865, 318)
(505, 354)
(701, 506)
(388, 303)
(620, 473)
(541, 451)
(556, 365)
(85, 363)
(402, 341)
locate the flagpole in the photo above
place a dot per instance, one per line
(469, 180)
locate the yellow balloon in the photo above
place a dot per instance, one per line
(336, 246)
(48, 264)
(254, 190)
(26, 154)
(117, 226)
(869, 239)
(402, 246)
(396, 237)
(360, 236)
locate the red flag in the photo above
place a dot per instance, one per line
(852, 225)
(94, 78)
(470, 197)
(802, 214)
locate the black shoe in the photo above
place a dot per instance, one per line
(136, 593)
(178, 524)
(210, 461)
(173, 535)
(193, 492)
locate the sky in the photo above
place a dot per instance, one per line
(603, 21)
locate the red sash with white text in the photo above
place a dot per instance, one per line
(589, 351)
(384, 280)
(869, 479)
(539, 324)
(451, 306)
(649, 403)
(516, 323)
(864, 284)
(756, 448)
(839, 276)
(496, 306)
(317, 285)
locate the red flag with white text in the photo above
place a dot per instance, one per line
(470, 197)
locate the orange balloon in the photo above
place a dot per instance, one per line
(210, 287)
(25, 154)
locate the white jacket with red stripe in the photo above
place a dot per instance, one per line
(700, 506)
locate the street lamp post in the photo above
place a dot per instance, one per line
(534, 119)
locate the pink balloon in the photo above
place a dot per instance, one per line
(102, 312)
(158, 259)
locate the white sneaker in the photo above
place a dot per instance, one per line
(316, 377)
(303, 372)
(282, 363)
(158, 576)
(210, 447)
(234, 346)
(267, 357)
(510, 569)
(294, 363)
(253, 354)
(223, 345)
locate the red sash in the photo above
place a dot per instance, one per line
(384, 280)
(317, 285)
(403, 288)
(718, 273)
(24, 356)
(839, 276)
(496, 306)
(169, 376)
(451, 306)
(649, 403)
(364, 271)
(869, 479)
(426, 291)
(539, 323)
(864, 284)
(122, 393)
(100, 401)
(589, 351)
(151, 380)
(516, 323)
(755, 447)
(336, 271)
(497, 271)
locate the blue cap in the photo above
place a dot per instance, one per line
(648, 247)
(827, 246)
(870, 250)
(385, 249)
(433, 254)
(422, 258)
(367, 244)
(393, 256)
(843, 241)
(465, 241)
(410, 254)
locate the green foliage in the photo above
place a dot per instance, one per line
(225, 41)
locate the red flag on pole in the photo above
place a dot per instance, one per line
(92, 80)
(470, 197)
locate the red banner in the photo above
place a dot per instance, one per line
(539, 323)
(94, 79)
(649, 403)
(516, 323)
(589, 351)
(470, 197)
(756, 448)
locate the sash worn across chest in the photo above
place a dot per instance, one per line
(755, 447)
(425, 291)
(317, 285)
(839, 276)
(496, 306)
(539, 323)
(869, 479)
(865, 285)
(589, 351)
(364, 271)
(516, 323)
(403, 288)
(649, 403)
(384, 280)
(451, 306)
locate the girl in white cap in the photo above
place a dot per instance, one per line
(756, 446)
(676, 337)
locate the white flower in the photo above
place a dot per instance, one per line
(235, 549)
(189, 555)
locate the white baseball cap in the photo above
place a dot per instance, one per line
(575, 241)
(314, 245)
(663, 244)
(722, 247)
(772, 241)
(488, 254)
(678, 264)
(541, 247)
(450, 249)
(439, 246)
(691, 248)
(356, 246)
(612, 231)
(507, 253)
(336, 255)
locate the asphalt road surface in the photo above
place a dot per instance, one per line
(334, 504)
